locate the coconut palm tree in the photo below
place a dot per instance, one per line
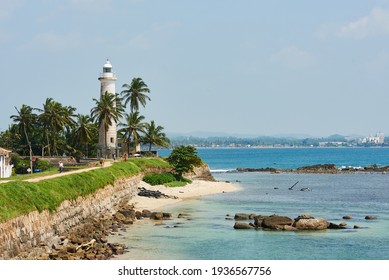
(108, 110)
(54, 118)
(83, 131)
(154, 135)
(131, 127)
(25, 120)
(135, 93)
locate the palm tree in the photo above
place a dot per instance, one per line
(107, 111)
(54, 118)
(155, 136)
(135, 93)
(131, 127)
(83, 130)
(25, 120)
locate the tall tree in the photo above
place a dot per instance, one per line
(54, 118)
(25, 120)
(135, 93)
(108, 109)
(154, 135)
(131, 127)
(83, 131)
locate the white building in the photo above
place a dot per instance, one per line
(378, 139)
(5, 167)
(107, 139)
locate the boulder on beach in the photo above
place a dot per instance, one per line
(275, 221)
(311, 224)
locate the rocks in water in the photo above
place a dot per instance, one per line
(241, 225)
(369, 217)
(347, 217)
(275, 221)
(244, 216)
(160, 216)
(318, 168)
(311, 224)
(258, 220)
(337, 226)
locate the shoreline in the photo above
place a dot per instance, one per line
(197, 188)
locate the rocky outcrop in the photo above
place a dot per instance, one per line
(276, 222)
(318, 168)
(200, 173)
(311, 224)
(25, 232)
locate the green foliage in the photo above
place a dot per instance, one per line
(41, 164)
(159, 179)
(20, 197)
(183, 159)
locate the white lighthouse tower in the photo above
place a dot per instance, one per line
(107, 141)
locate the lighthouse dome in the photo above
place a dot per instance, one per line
(107, 64)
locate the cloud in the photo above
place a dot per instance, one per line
(375, 23)
(50, 41)
(293, 57)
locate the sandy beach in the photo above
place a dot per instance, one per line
(197, 188)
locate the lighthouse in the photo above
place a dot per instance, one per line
(107, 139)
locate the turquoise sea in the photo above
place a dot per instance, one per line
(208, 235)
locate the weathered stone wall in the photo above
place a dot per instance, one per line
(25, 232)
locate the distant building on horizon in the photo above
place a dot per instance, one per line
(107, 146)
(378, 139)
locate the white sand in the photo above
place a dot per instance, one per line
(197, 188)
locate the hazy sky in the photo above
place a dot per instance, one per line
(238, 67)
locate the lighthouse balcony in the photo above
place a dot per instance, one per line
(108, 75)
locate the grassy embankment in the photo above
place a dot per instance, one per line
(19, 197)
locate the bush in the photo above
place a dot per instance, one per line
(41, 164)
(159, 179)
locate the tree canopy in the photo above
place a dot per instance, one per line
(184, 159)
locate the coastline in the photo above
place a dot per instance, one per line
(196, 189)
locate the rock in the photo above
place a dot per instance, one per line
(335, 226)
(274, 221)
(138, 215)
(156, 216)
(71, 249)
(146, 213)
(258, 220)
(288, 228)
(347, 217)
(311, 224)
(183, 215)
(369, 217)
(167, 215)
(303, 216)
(241, 225)
(242, 216)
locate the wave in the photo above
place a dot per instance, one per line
(222, 170)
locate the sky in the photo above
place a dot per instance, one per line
(243, 68)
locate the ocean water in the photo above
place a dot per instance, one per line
(208, 234)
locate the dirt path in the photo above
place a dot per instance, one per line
(37, 179)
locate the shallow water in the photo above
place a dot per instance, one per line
(209, 235)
